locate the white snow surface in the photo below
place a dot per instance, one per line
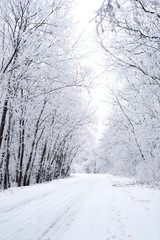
(83, 207)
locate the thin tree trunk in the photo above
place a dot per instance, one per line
(26, 175)
(22, 155)
(41, 163)
(3, 121)
(6, 183)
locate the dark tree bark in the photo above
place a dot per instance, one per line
(3, 121)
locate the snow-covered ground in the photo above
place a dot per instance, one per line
(84, 207)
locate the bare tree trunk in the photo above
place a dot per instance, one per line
(34, 158)
(20, 154)
(29, 164)
(39, 175)
(3, 121)
(6, 183)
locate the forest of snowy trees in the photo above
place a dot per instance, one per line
(129, 33)
(43, 113)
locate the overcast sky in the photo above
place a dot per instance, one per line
(85, 11)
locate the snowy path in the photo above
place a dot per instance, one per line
(85, 207)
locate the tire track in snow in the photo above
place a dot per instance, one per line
(26, 202)
(56, 205)
(66, 216)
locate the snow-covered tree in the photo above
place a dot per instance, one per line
(43, 112)
(129, 34)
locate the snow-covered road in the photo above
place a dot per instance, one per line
(84, 207)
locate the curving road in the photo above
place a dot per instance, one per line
(84, 207)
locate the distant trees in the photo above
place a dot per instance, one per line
(43, 114)
(129, 34)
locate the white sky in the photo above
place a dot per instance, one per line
(85, 11)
